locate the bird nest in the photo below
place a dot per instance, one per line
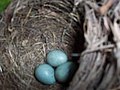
(33, 31)
(30, 29)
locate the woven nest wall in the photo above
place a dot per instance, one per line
(35, 29)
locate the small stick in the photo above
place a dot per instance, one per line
(98, 48)
(103, 9)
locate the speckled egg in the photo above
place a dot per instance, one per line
(56, 58)
(65, 72)
(45, 74)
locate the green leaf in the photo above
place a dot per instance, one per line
(4, 4)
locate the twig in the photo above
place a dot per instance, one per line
(1, 70)
(98, 48)
(117, 88)
(28, 14)
(103, 9)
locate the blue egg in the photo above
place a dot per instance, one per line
(65, 72)
(56, 58)
(45, 74)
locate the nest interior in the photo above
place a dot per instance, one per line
(34, 30)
